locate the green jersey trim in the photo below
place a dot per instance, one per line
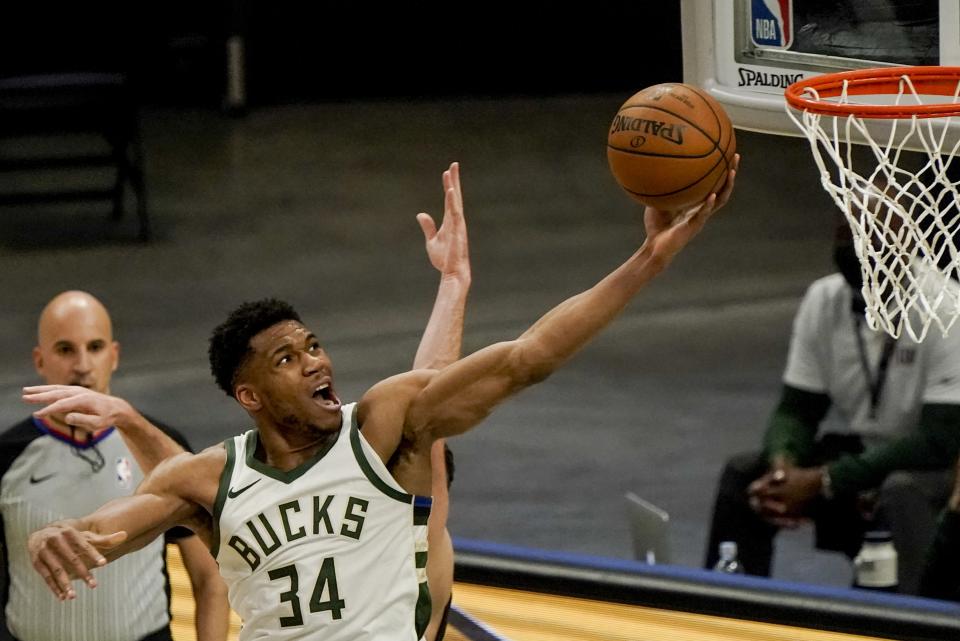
(280, 475)
(424, 607)
(368, 470)
(222, 494)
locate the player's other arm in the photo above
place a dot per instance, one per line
(92, 412)
(180, 491)
(440, 345)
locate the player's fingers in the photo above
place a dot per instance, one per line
(107, 542)
(71, 551)
(455, 182)
(697, 217)
(45, 394)
(50, 573)
(446, 180)
(63, 406)
(427, 225)
(92, 545)
(87, 423)
(451, 208)
(57, 560)
(727, 190)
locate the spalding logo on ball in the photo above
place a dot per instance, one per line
(670, 146)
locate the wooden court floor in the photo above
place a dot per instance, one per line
(517, 615)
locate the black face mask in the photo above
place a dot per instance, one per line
(845, 257)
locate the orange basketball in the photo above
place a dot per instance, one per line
(670, 146)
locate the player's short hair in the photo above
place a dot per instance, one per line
(230, 341)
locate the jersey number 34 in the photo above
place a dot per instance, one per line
(326, 580)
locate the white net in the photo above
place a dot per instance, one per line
(905, 219)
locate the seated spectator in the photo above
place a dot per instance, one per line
(900, 401)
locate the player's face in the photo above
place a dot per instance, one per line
(290, 379)
(76, 347)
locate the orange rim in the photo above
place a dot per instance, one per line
(937, 81)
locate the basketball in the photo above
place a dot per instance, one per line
(670, 146)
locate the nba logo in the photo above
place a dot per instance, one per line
(771, 23)
(124, 473)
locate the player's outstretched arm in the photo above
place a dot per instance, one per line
(91, 411)
(70, 549)
(461, 395)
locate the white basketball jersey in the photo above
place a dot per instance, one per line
(333, 549)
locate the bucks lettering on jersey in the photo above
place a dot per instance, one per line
(333, 549)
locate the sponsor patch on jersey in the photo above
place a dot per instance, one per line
(771, 23)
(124, 472)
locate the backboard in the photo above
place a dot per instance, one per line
(746, 52)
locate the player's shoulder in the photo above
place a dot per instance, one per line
(192, 476)
(396, 388)
(185, 467)
(215, 455)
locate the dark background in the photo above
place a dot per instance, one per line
(344, 50)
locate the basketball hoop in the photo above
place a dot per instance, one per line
(905, 220)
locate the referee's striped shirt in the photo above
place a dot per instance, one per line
(44, 476)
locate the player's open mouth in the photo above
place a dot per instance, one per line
(325, 397)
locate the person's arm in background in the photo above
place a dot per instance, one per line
(92, 412)
(788, 443)
(934, 446)
(941, 572)
(212, 618)
(440, 346)
(792, 430)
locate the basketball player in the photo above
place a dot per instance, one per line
(312, 533)
(447, 249)
(50, 470)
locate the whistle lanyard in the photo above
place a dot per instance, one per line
(875, 384)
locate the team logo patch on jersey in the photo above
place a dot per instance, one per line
(124, 472)
(771, 23)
